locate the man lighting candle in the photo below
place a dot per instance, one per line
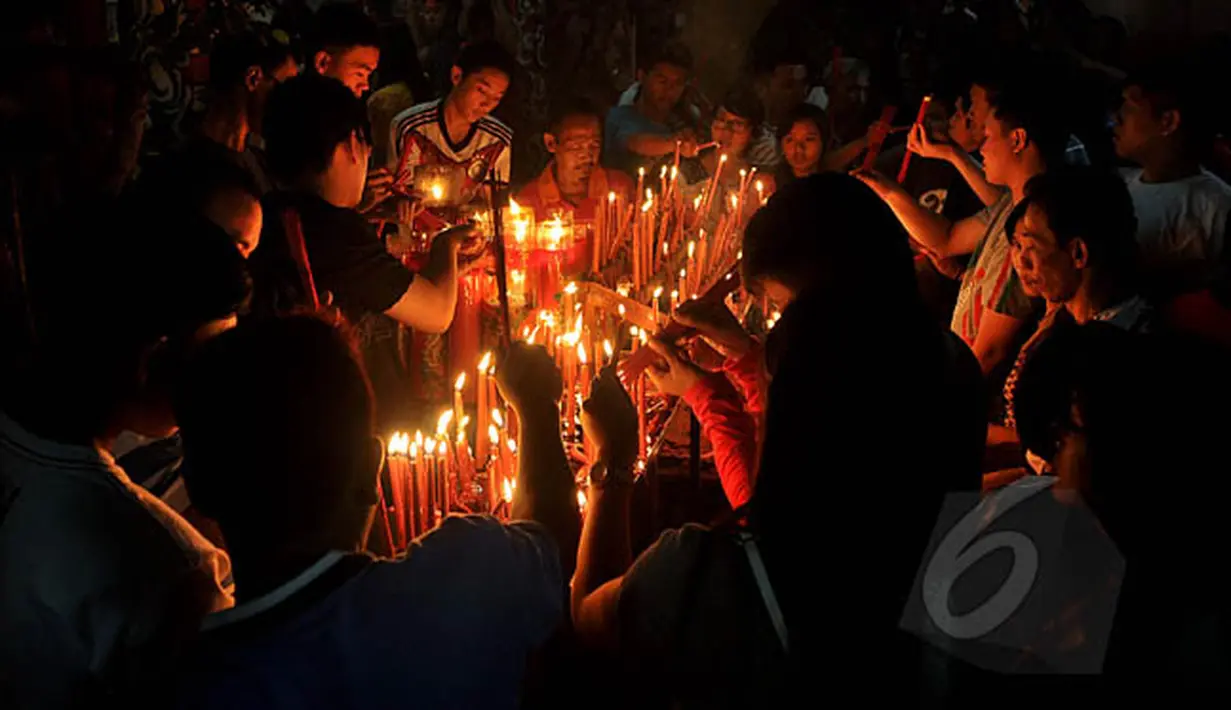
(318, 147)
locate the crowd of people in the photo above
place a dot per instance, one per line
(209, 347)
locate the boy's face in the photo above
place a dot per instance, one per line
(478, 93)
(239, 215)
(352, 66)
(1139, 128)
(664, 85)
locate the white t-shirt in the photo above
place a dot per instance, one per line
(98, 578)
(448, 626)
(1181, 227)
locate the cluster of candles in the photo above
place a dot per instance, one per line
(524, 233)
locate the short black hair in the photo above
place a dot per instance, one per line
(339, 26)
(1179, 83)
(1028, 100)
(673, 53)
(805, 112)
(485, 55)
(102, 305)
(568, 107)
(306, 118)
(271, 417)
(813, 229)
(1089, 203)
(784, 56)
(743, 101)
(234, 55)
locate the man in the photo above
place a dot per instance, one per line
(455, 136)
(1072, 241)
(649, 130)
(242, 71)
(283, 453)
(1023, 136)
(573, 180)
(100, 582)
(345, 46)
(454, 146)
(1165, 125)
(316, 249)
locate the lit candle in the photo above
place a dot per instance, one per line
(509, 467)
(640, 180)
(446, 482)
(459, 387)
(658, 292)
(585, 370)
(581, 501)
(482, 408)
(433, 485)
(662, 179)
(609, 351)
(418, 492)
(675, 300)
(507, 495)
(399, 447)
(760, 192)
(494, 473)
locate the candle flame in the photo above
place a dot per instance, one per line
(674, 172)
(581, 353)
(620, 309)
(658, 292)
(722, 158)
(753, 173)
(429, 447)
(649, 195)
(611, 197)
(675, 295)
(683, 273)
(498, 418)
(465, 422)
(663, 173)
(692, 248)
(493, 434)
(734, 202)
(739, 254)
(647, 205)
(571, 288)
(696, 203)
(514, 208)
(414, 452)
(760, 186)
(438, 192)
(461, 437)
(460, 384)
(419, 439)
(644, 338)
(442, 424)
(399, 444)
(508, 491)
(533, 334)
(525, 334)
(743, 173)
(486, 361)
(666, 248)
(512, 447)
(632, 330)
(608, 349)
(641, 171)
(581, 500)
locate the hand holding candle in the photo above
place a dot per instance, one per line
(610, 421)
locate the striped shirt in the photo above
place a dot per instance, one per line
(419, 139)
(989, 282)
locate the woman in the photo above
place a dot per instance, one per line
(734, 126)
(739, 617)
(803, 143)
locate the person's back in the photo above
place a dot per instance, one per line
(318, 624)
(449, 625)
(99, 580)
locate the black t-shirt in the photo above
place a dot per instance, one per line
(347, 259)
(348, 262)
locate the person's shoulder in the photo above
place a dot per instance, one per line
(484, 531)
(1211, 187)
(674, 552)
(620, 182)
(417, 115)
(622, 112)
(1131, 175)
(494, 126)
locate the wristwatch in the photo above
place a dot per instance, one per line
(605, 475)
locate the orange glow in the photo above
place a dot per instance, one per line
(493, 434)
(581, 353)
(486, 362)
(460, 384)
(581, 500)
(514, 208)
(611, 197)
(442, 424)
(508, 491)
(608, 349)
(498, 418)
(399, 444)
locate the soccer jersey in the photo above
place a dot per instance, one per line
(419, 141)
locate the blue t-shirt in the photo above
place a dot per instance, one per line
(624, 122)
(448, 626)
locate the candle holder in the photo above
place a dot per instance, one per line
(557, 233)
(437, 186)
(518, 227)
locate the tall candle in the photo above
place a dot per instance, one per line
(494, 473)
(482, 409)
(640, 180)
(459, 386)
(658, 292)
